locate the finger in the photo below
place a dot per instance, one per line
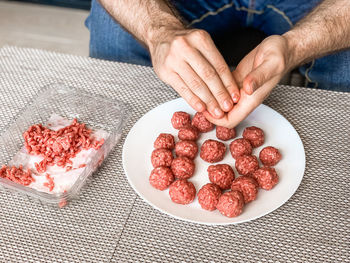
(244, 67)
(199, 88)
(260, 75)
(179, 85)
(206, 46)
(210, 77)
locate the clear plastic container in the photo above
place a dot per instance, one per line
(95, 111)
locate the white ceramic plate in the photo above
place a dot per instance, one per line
(279, 133)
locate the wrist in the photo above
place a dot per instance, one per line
(160, 33)
(295, 53)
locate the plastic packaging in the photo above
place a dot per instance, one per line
(98, 113)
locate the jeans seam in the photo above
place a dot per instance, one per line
(307, 76)
(212, 13)
(280, 12)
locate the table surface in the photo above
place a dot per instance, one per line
(110, 223)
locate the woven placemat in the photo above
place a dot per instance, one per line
(109, 223)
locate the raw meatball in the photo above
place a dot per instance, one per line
(182, 192)
(186, 148)
(247, 164)
(189, 133)
(182, 167)
(270, 156)
(180, 119)
(248, 186)
(201, 123)
(222, 175)
(231, 203)
(212, 151)
(240, 147)
(225, 134)
(161, 157)
(266, 177)
(254, 135)
(164, 140)
(208, 196)
(161, 178)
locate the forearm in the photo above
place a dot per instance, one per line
(325, 30)
(147, 20)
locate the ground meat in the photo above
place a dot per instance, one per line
(247, 164)
(270, 156)
(186, 148)
(208, 196)
(17, 175)
(59, 147)
(222, 175)
(181, 119)
(231, 203)
(201, 123)
(164, 140)
(182, 167)
(248, 186)
(189, 133)
(161, 178)
(182, 192)
(50, 182)
(240, 147)
(266, 177)
(254, 135)
(161, 157)
(212, 151)
(225, 134)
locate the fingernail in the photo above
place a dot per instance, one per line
(199, 107)
(227, 104)
(217, 112)
(235, 97)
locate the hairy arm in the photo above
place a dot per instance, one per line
(325, 30)
(186, 59)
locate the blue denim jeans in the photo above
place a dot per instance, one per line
(108, 40)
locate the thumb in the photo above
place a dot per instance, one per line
(259, 76)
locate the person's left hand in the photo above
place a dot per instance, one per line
(257, 74)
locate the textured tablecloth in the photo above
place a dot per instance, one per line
(110, 223)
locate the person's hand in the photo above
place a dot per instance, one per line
(257, 74)
(188, 61)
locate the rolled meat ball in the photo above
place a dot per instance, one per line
(254, 135)
(208, 196)
(222, 175)
(161, 157)
(212, 151)
(248, 186)
(180, 119)
(240, 147)
(201, 123)
(266, 177)
(182, 167)
(161, 178)
(247, 164)
(189, 133)
(182, 192)
(231, 203)
(165, 141)
(270, 156)
(186, 148)
(225, 134)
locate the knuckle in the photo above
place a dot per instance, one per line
(208, 72)
(195, 85)
(179, 42)
(221, 69)
(221, 94)
(201, 34)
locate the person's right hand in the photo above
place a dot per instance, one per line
(188, 61)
